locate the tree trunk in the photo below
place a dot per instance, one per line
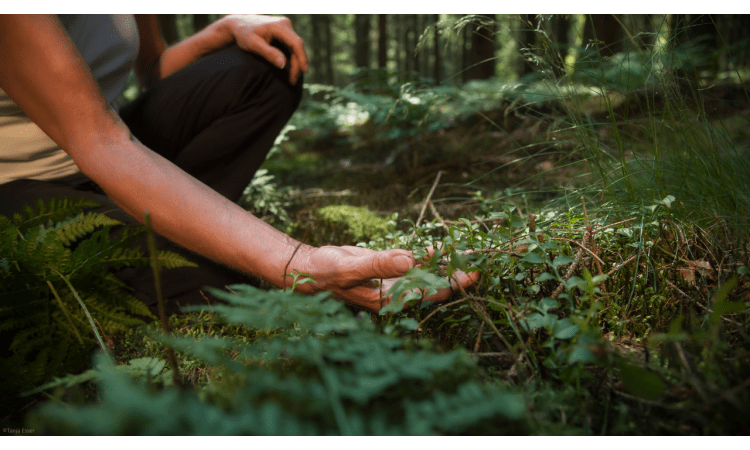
(603, 28)
(558, 29)
(465, 50)
(362, 43)
(168, 26)
(321, 47)
(397, 21)
(316, 46)
(328, 43)
(483, 51)
(382, 42)
(437, 69)
(411, 44)
(200, 21)
(527, 40)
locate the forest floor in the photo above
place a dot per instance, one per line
(603, 318)
(523, 156)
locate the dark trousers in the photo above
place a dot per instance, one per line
(216, 119)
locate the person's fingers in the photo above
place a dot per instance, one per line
(272, 54)
(364, 296)
(383, 264)
(293, 70)
(284, 32)
(359, 251)
(295, 44)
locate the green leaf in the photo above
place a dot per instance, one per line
(534, 321)
(547, 304)
(724, 306)
(565, 329)
(544, 276)
(581, 354)
(667, 201)
(408, 324)
(575, 281)
(562, 260)
(534, 258)
(599, 279)
(640, 382)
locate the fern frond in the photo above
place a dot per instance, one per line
(67, 381)
(73, 228)
(54, 210)
(170, 260)
(17, 323)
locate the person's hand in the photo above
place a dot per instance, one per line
(354, 274)
(254, 33)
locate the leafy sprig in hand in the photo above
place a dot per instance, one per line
(362, 277)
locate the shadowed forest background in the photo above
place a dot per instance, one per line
(593, 168)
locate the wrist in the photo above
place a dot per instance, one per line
(297, 261)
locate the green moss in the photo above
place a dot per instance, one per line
(352, 223)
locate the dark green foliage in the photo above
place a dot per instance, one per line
(51, 254)
(325, 372)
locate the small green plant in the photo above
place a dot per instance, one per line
(266, 200)
(325, 372)
(58, 294)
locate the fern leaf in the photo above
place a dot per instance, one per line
(172, 260)
(54, 210)
(73, 228)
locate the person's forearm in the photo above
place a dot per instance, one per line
(212, 38)
(189, 213)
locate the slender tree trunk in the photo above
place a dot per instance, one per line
(168, 25)
(557, 29)
(382, 42)
(322, 48)
(200, 21)
(465, 53)
(411, 45)
(398, 34)
(527, 40)
(328, 43)
(482, 57)
(424, 54)
(437, 69)
(603, 28)
(316, 47)
(408, 47)
(362, 43)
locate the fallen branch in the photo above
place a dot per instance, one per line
(621, 265)
(571, 241)
(494, 354)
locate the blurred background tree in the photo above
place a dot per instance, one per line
(454, 49)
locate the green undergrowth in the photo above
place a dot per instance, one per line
(581, 323)
(603, 205)
(59, 297)
(324, 372)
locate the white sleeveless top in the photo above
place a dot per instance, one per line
(109, 44)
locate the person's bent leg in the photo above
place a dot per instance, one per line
(216, 118)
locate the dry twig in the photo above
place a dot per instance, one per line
(429, 196)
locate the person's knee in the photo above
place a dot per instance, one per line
(268, 83)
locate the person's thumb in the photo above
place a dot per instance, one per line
(389, 263)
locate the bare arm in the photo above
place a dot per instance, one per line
(58, 92)
(251, 32)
